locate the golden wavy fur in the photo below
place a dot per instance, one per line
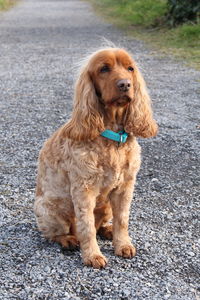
(85, 180)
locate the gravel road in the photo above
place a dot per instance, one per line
(40, 42)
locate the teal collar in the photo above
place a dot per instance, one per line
(120, 136)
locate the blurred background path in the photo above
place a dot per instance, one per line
(40, 44)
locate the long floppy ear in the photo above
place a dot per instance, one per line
(86, 122)
(139, 118)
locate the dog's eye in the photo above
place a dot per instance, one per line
(131, 69)
(105, 69)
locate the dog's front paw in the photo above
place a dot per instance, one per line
(127, 250)
(97, 261)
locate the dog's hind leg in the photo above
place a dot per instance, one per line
(56, 221)
(103, 215)
(53, 206)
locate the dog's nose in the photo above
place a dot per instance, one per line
(124, 85)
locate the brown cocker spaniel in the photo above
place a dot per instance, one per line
(86, 179)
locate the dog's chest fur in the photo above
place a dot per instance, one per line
(103, 164)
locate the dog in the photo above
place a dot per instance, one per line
(87, 168)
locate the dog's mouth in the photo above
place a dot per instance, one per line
(120, 101)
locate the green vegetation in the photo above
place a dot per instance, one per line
(149, 20)
(5, 4)
(181, 11)
(138, 12)
(134, 12)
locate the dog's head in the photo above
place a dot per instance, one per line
(112, 73)
(110, 80)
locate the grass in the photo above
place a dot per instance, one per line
(6, 4)
(143, 19)
(136, 12)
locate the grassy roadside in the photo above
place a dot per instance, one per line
(143, 19)
(6, 4)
